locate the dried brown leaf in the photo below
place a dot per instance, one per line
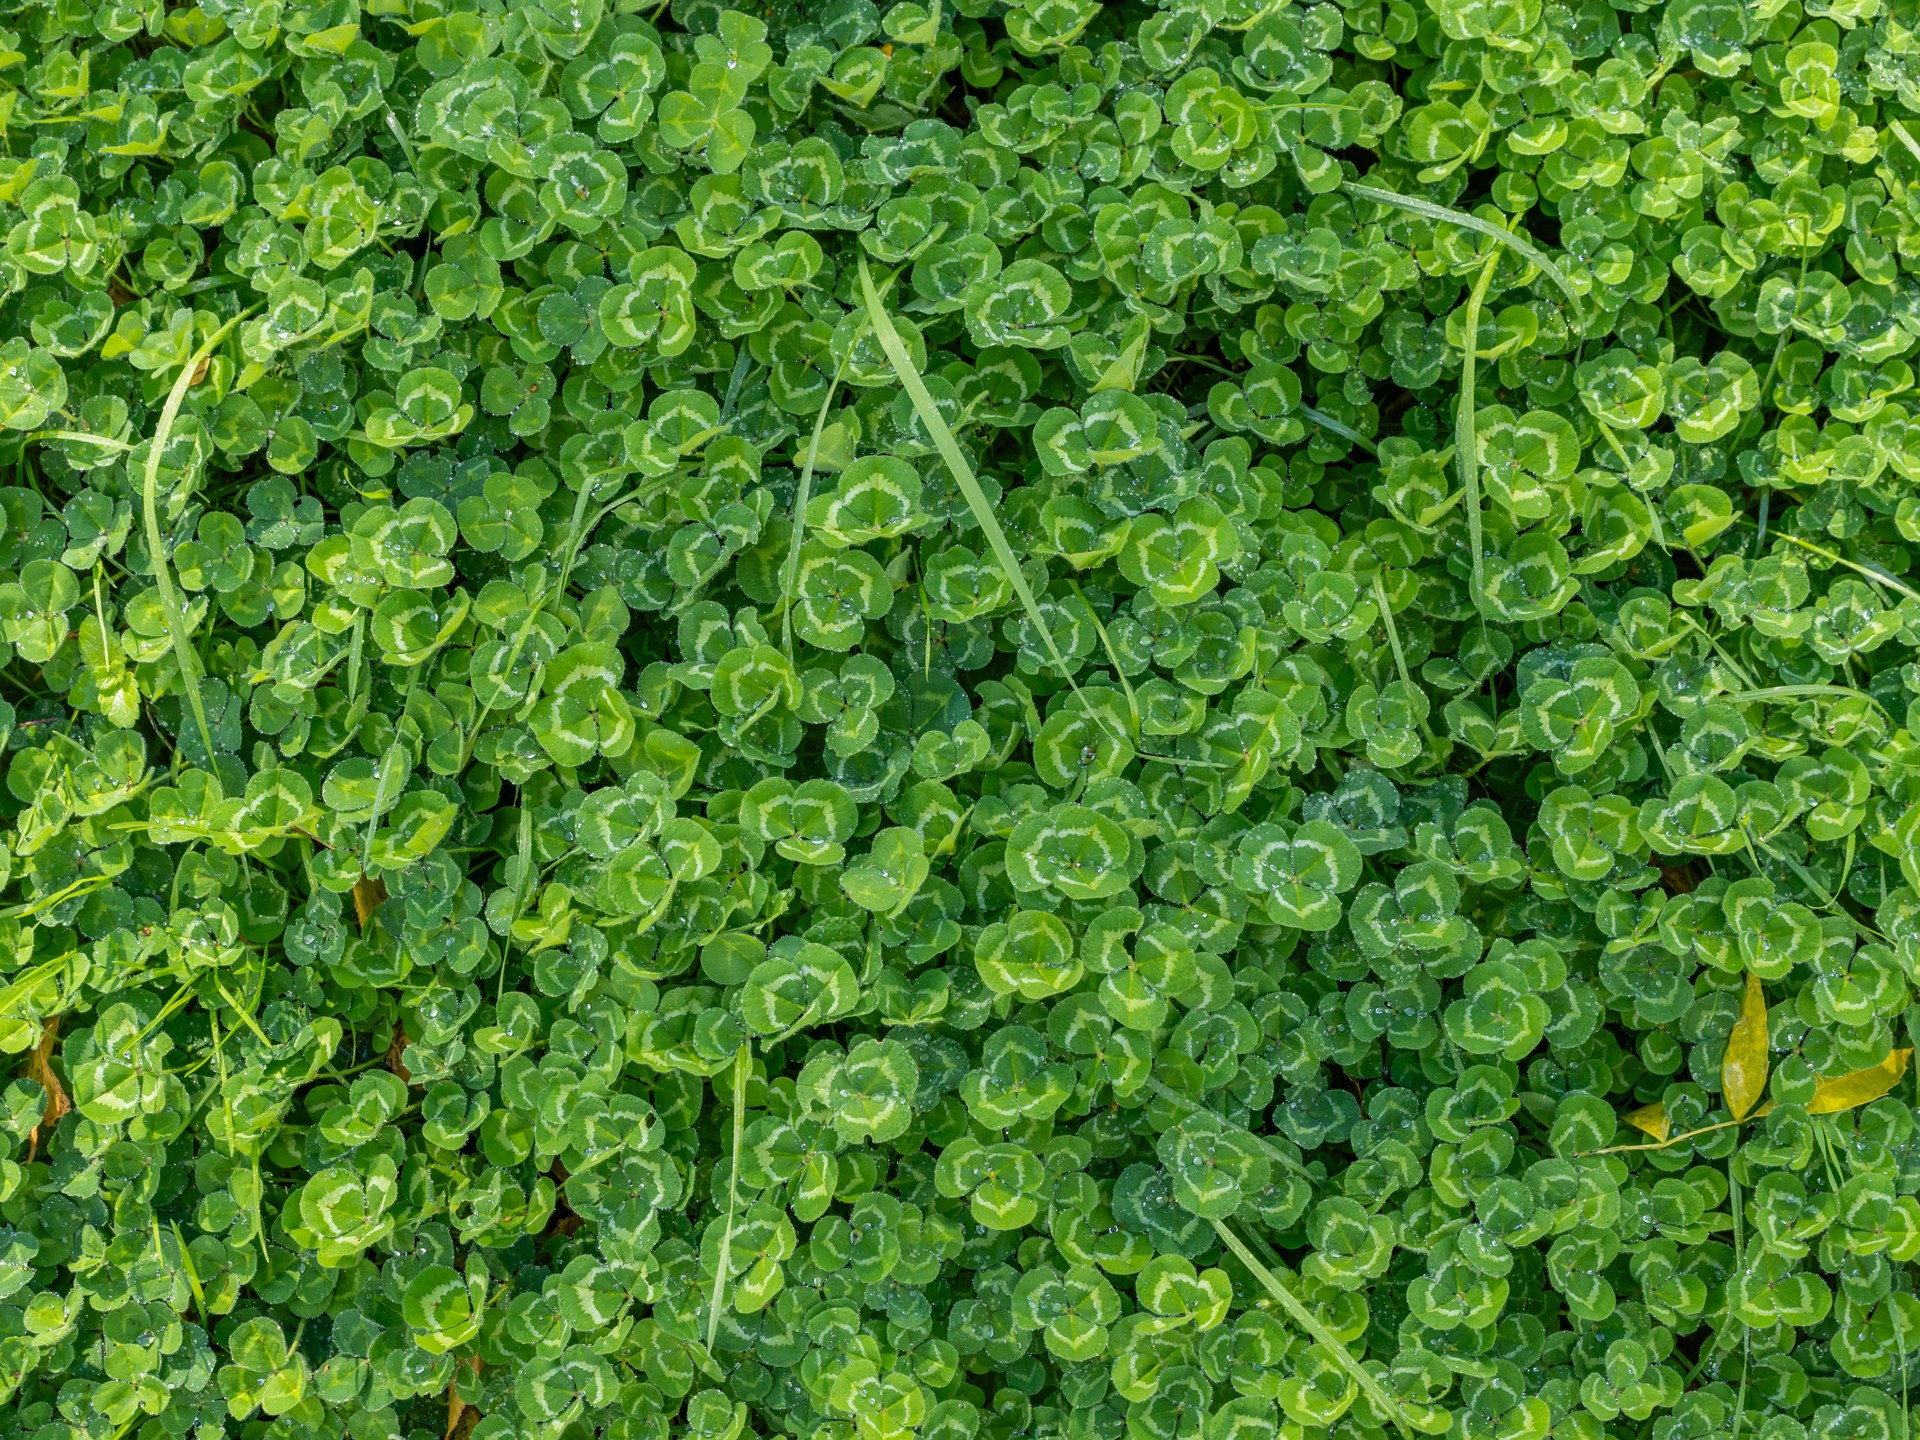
(462, 1417)
(368, 893)
(40, 1068)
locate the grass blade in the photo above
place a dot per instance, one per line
(977, 502)
(950, 451)
(1335, 427)
(1528, 251)
(1311, 1323)
(156, 544)
(791, 571)
(1905, 138)
(1113, 659)
(1466, 444)
(1872, 572)
(742, 1062)
(82, 437)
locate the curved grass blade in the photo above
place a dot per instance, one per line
(1311, 1323)
(81, 437)
(156, 545)
(742, 1063)
(804, 493)
(1466, 444)
(956, 460)
(1335, 427)
(1528, 251)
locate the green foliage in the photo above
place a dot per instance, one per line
(959, 720)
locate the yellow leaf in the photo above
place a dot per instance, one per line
(1652, 1119)
(1743, 1070)
(1861, 1087)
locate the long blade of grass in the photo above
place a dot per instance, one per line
(742, 1062)
(1192, 1107)
(1335, 427)
(1311, 1323)
(156, 544)
(1466, 445)
(1528, 251)
(1746, 1332)
(106, 442)
(1905, 138)
(1859, 567)
(800, 498)
(1810, 692)
(1113, 659)
(976, 498)
(956, 460)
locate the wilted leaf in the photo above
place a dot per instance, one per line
(1652, 1120)
(1743, 1069)
(1859, 1087)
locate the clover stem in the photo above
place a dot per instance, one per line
(1466, 447)
(1672, 1140)
(156, 543)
